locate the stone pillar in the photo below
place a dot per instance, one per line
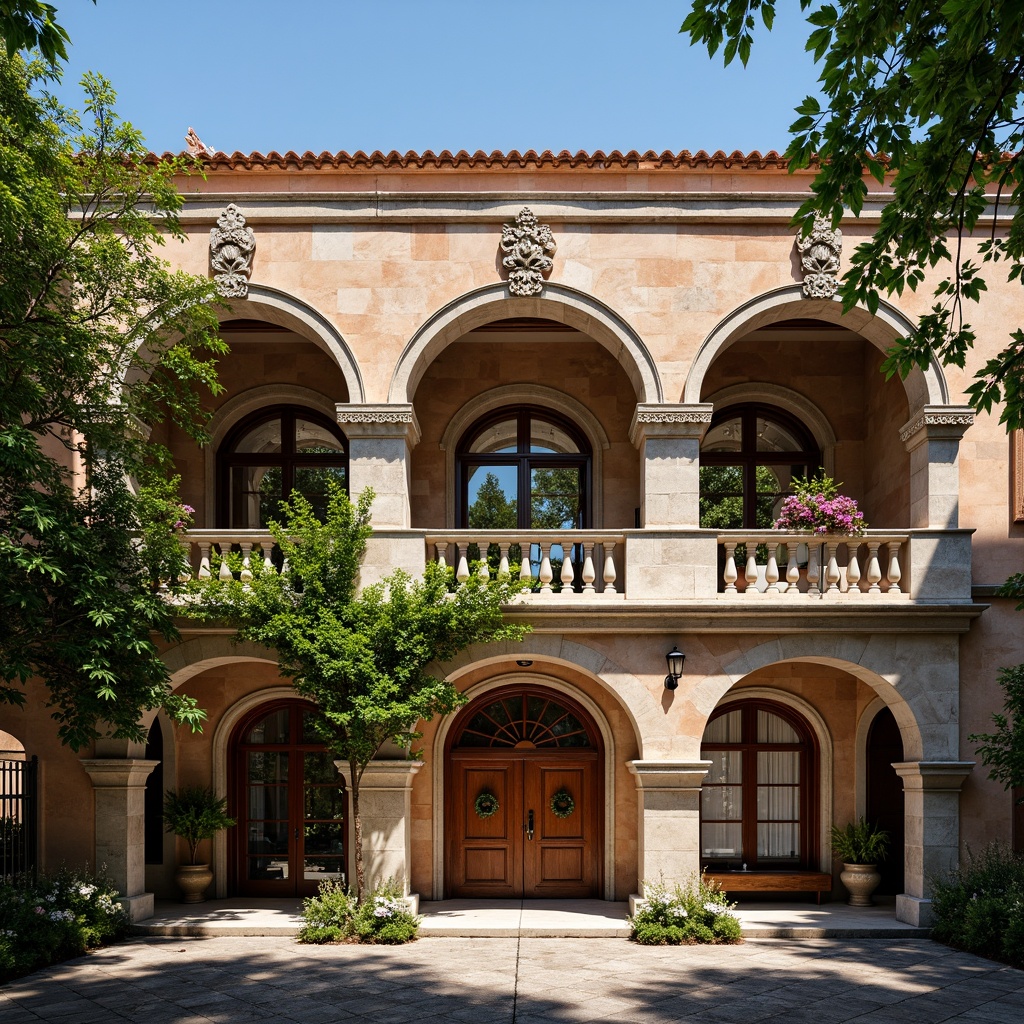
(933, 439)
(932, 801)
(385, 806)
(120, 807)
(668, 438)
(668, 830)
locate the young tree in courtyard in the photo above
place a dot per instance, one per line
(367, 660)
(925, 96)
(86, 304)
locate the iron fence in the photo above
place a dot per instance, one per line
(18, 809)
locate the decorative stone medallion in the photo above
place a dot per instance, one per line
(528, 248)
(232, 245)
(819, 258)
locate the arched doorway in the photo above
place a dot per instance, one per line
(885, 799)
(290, 804)
(523, 797)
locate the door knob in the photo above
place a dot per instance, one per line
(528, 827)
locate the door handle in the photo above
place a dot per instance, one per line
(528, 827)
(296, 833)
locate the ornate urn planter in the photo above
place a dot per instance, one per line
(861, 880)
(193, 880)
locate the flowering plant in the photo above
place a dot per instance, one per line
(695, 912)
(817, 505)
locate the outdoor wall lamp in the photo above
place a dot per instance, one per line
(675, 659)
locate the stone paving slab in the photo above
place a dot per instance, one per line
(271, 980)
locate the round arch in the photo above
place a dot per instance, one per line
(559, 303)
(923, 387)
(549, 682)
(191, 657)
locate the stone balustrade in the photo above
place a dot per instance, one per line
(205, 544)
(772, 563)
(537, 558)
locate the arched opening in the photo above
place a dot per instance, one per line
(289, 801)
(885, 799)
(154, 797)
(523, 797)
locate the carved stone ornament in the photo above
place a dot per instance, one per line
(232, 245)
(528, 248)
(819, 258)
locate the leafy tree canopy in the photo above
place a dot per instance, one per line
(931, 91)
(86, 304)
(368, 660)
(31, 25)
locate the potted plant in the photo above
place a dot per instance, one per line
(194, 813)
(817, 506)
(861, 846)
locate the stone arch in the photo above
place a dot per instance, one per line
(646, 715)
(559, 303)
(550, 682)
(916, 676)
(191, 657)
(923, 388)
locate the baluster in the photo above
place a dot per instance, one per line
(589, 574)
(225, 572)
(568, 574)
(462, 572)
(771, 572)
(792, 568)
(895, 574)
(503, 547)
(441, 550)
(525, 569)
(730, 575)
(267, 547)
(609, 567)
(246, 574)
(750, 571)
(546, 575)
(853, 568)
(832, 574)
(204, 560)
(813, 570)
(874, 573)
(483, 570)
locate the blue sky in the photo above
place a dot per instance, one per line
(434, 74)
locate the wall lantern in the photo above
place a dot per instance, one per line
(675, 659)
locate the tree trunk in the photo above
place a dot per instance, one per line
(357, 829)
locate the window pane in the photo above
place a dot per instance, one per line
(781, 767)
(719, 841)
(727, 728)
(549, 437)
(311, 483)
(726, 766)
(317, 869)
(491, 498)
(267, 768)
(261, 439)
(254, 496)
(268, 803)
(726, 436)
(272, 729)
(774, 729)
(313, 438)
(778, 803)
(769, 496)
(721, 803)
(555, 499)
(721, 497)
(498, 437)
(778, 842)
(319, 767)
(774, 437)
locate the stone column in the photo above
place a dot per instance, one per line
(120, 791)
(668, 438)
(932, 801)
(385, 805)
(668, 830)
(933, 439)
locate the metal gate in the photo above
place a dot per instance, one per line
(18, 793)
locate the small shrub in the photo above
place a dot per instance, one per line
(55, 918)
(696, 913)
(980, 908)
(336, 915)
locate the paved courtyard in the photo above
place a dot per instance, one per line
(518, 981)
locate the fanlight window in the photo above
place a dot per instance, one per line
(748, 459)
(274, 454)
(524, 721)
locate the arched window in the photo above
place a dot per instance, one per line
(758, 802)
(272, 454)
(523, 468)
(748, 459)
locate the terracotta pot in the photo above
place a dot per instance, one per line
(193, 881)
(861, 880)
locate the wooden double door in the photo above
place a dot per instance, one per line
(542, 839)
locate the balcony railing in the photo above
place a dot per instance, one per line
(771, 563)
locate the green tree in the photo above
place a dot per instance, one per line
(31, 25)
(491, 510)
(85, 305)
(368, 660)
(924, 96)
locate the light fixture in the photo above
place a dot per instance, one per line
(524, 663)
(675, 659)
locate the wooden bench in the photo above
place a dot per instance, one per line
(772, 881)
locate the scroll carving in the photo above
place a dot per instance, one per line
(232, 244)
(528, 248)
(819, 258)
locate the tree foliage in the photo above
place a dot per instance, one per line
(924, 97)
(32, 25)
(369, 660)
(86, 305)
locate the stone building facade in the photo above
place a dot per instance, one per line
(604, 371)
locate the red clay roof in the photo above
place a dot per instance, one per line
(597, 160)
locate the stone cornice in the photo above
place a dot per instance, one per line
(379, 420)
(937, 422)
(655, 419)
(934, 776)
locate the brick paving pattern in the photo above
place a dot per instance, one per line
(518, 981)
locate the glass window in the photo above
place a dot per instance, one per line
(748, 459)
(272, 455)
